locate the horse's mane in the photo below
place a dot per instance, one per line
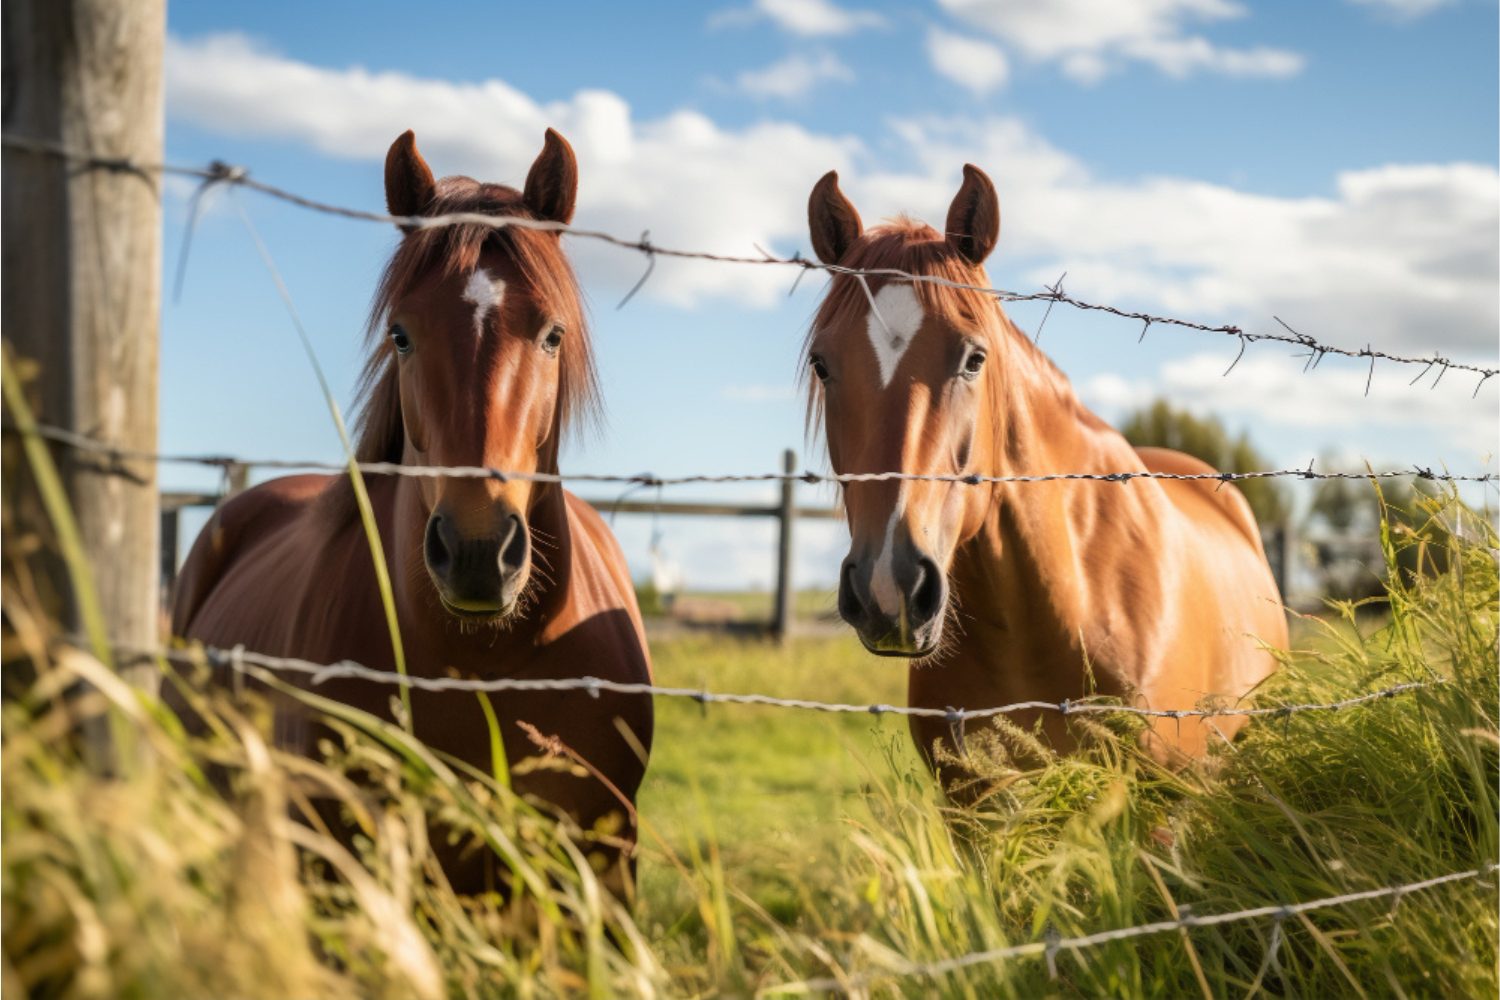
(442, 251)
(912, 246)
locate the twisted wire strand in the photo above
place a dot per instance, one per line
(1050, 948)
(83, 442)
(241, 660)
(219, 172)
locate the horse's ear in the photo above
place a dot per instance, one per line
(832, 220)
(552, 185)
(409, 185)
(973, 226)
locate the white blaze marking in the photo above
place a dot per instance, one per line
(485, 292)
(895, 317)
(883, 585)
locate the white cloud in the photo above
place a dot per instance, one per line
(806, 18)
(1181, 57)
(668, 174)
(716, 553)
(1091, 38)
(1270, 394)
(1401, 257)
(794, 76)
(1404, 9)
(969, 62)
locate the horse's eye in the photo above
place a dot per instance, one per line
(400, 339)
(972, 364)
(553, 340)
(819, 368)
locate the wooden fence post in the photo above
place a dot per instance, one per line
(82, 264)
(1286, 549)
(236, 479)
(171, 533)
(786, 517)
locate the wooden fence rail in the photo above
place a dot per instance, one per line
(785, 511)
(1280, 539)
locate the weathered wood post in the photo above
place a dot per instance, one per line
(236, 479)
(171, 534)
(786, 517)
(1286, 554)
(82, 264)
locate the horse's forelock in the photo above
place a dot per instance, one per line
(450, 250)
(902, 244)
(908, 245)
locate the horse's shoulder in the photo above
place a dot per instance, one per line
(598, 555)
(1221, 496)
(237, 523)
(596, 532)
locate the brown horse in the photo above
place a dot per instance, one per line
(1156, 591)
(479, 356)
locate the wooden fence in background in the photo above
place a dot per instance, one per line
(1280, 540)
(785, 511)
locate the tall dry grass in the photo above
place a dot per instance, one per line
(150, 878)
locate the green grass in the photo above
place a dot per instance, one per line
(768, 788)
(785, 846)
(809, 604)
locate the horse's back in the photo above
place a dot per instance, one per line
(1198, 497)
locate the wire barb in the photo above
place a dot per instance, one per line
(1056, 290)
(650, 252)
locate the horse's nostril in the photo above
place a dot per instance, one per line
(927, 594)
(850, 607)
(515, 546)
(434, 548)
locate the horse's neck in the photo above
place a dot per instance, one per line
(1031, 561)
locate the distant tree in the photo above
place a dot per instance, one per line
(1161, 425)
(1356, 508)
(1344, 505)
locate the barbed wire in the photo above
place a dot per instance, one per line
(243, 661)
(218, 172)
(1050, 947)
(115, 454)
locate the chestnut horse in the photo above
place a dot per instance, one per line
(479, 356)
(1156, 591)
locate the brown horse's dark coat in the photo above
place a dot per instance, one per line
(285, 568)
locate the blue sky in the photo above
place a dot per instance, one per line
(1333, 163)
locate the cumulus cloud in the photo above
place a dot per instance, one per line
(1403, 9)
(969, 62)
(668, 174)
(1403, 257)
(1269, 395)
(1089, 39)
(794, 76)
(806, 18)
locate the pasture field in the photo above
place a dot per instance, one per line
(781, 847)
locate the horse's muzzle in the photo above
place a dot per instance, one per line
(478, 575)
(896, 609)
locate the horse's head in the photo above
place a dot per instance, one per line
(903, 385)
(482, 355)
